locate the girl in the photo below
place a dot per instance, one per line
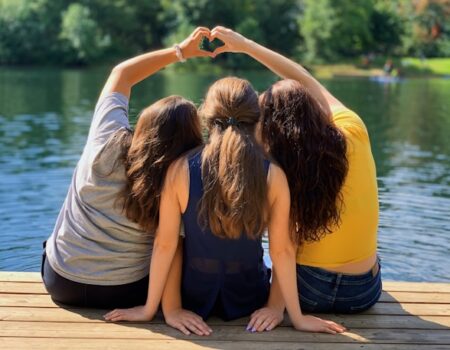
(324, 149)
(226, 194)
(98, 254)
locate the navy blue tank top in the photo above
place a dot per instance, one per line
(225, 277)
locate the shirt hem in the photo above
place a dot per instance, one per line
(334, 265)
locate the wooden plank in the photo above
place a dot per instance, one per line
(120, 344)
(415, 297)
(350, 321)
(421, 309)
(391, 286)
(22, 288)
(161, 332)
(138, 344)
(20, 276)
(406, 297)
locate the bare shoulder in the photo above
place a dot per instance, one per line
(277, 184)
(177, 172)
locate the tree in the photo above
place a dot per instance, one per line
(336, 29)
(82, 36)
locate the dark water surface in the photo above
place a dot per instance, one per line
(45, 116)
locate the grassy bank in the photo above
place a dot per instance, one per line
(408, 66)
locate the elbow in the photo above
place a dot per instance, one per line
(283, 255)
(164, 246)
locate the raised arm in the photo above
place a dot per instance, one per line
(282, 253)
(279, 64)
(130, 72)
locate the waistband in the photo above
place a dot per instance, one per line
(329, 276)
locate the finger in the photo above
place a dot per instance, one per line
(182, 328)
(118, 318)
(203, 53)
(108, 314)
(272, 325)
(259, 320)
(217, 33)
(192, 327)
(201, 28)
(219, 50)
(336, 326)
(251, 324)
(201, 33)
(265, 324)
(329, 330)
(202, 326)
(111, 314)
(221, 28)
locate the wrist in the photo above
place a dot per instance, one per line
(180, 52)
(249, 47)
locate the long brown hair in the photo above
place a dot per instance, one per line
(234, 181)
(164, 131)
(312, 152)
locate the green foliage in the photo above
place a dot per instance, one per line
(81, 34)
(336, 29)
(89, 31)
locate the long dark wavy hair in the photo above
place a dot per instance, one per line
(164, 131)
(234, 180)
(311, 150)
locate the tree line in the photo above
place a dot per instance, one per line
(67, 32)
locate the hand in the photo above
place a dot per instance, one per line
(315, 324)
(190, 46)
(234, 42)
(265, 319)
(187, 322)
(138, 313)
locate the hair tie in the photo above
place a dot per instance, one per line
(232, 121)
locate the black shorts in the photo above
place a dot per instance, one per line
(65, 291)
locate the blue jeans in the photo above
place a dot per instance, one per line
(329, 292)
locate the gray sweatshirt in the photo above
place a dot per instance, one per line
(93, 242)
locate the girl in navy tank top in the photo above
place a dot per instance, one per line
(226, 194)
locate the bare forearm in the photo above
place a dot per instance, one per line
(287, 69)
(284, 266)
(140, 67)
(159, 268)
(276, 300)
(171, 298)
(130, 72)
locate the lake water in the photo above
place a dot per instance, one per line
(45, 116)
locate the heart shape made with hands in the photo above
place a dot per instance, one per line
(210, 46)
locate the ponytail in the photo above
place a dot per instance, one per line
(234, 180)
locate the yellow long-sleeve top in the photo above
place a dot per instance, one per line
(356, 237)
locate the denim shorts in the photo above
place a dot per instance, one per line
(322, 291)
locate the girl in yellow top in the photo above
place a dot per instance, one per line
(324, 149)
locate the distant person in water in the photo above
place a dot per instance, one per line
(99, 252)
(388, 67)
(324, 149)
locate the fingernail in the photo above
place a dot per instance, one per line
(248, 328)
(268, 329)
(253, 329)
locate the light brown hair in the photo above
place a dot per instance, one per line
(234, 180)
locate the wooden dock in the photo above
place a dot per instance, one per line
(409, 316)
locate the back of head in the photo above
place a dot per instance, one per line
(312, 151)
(164, 131)
(234, 180)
